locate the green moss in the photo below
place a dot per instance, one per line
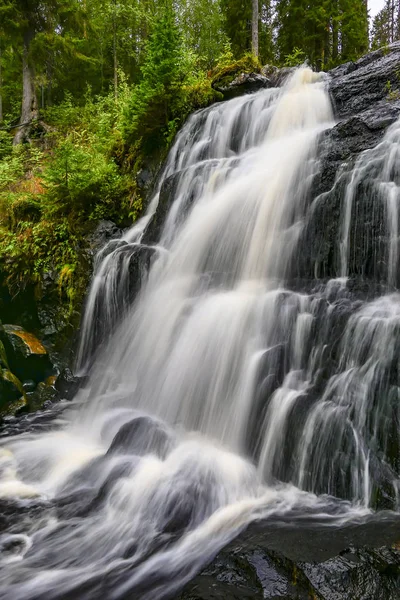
(3, 356)
(224, 74)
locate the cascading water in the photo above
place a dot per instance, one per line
(221, 397)
(379, 172)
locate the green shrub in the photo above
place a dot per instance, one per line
(295, 59)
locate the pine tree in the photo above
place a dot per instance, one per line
(237, 15)
(326, 31)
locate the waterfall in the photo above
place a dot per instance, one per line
(377, 173)
(217, 394)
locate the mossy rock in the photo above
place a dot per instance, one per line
(3, 356)
(24, 343)
(12, 394)
(26, 356)
(26, 209)
(221, 77)
(44, 394)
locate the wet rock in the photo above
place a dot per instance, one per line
(104, 232)
(302, 562)
(279, 76)
(42, 396)
(23, 343)
(51, 321)
(365, 83)
(145, 178)
(244, 83)
(67, 384)
(126, 269)
(364, 110)
(342, 70)
(169, 191)
(29, 386)
(12, 394)
(141, 436)
(153, 231)
(27, 357)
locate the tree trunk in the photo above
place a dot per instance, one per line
(391, 20)
(254, 28)
(398, 21)
(29, 109)
(1, 88)
(335, 33)
(115, 59)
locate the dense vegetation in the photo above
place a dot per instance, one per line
(386, 25)
(93, 91)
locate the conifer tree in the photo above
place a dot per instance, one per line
(326, 31)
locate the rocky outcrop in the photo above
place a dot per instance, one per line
(366, 97)
(302, 562)
(360, 86)
(104, 233)
(27, 374)
(244, 83)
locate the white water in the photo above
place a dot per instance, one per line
(186, 426)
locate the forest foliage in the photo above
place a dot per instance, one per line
(91, 91)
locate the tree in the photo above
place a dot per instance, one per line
(150, 109)
(31, 24)
(254, 28)
(202, 25)
(248, 26)
(327, 31)
(237, 19)
(380, 33)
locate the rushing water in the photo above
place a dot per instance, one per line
(219, 397)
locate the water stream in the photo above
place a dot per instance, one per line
(219, 396)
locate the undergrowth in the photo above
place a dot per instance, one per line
(82, 168)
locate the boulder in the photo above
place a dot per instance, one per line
(12, 394)
(244, 83)
(27, 357)
(67, 384)
(141, 436)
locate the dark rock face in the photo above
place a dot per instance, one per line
(170, 189)
(67, 384)
(120, 280)
(166, 198)
(104, 232)
(276, 76)
(299, 563)
(357, 87)
(365, 110)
